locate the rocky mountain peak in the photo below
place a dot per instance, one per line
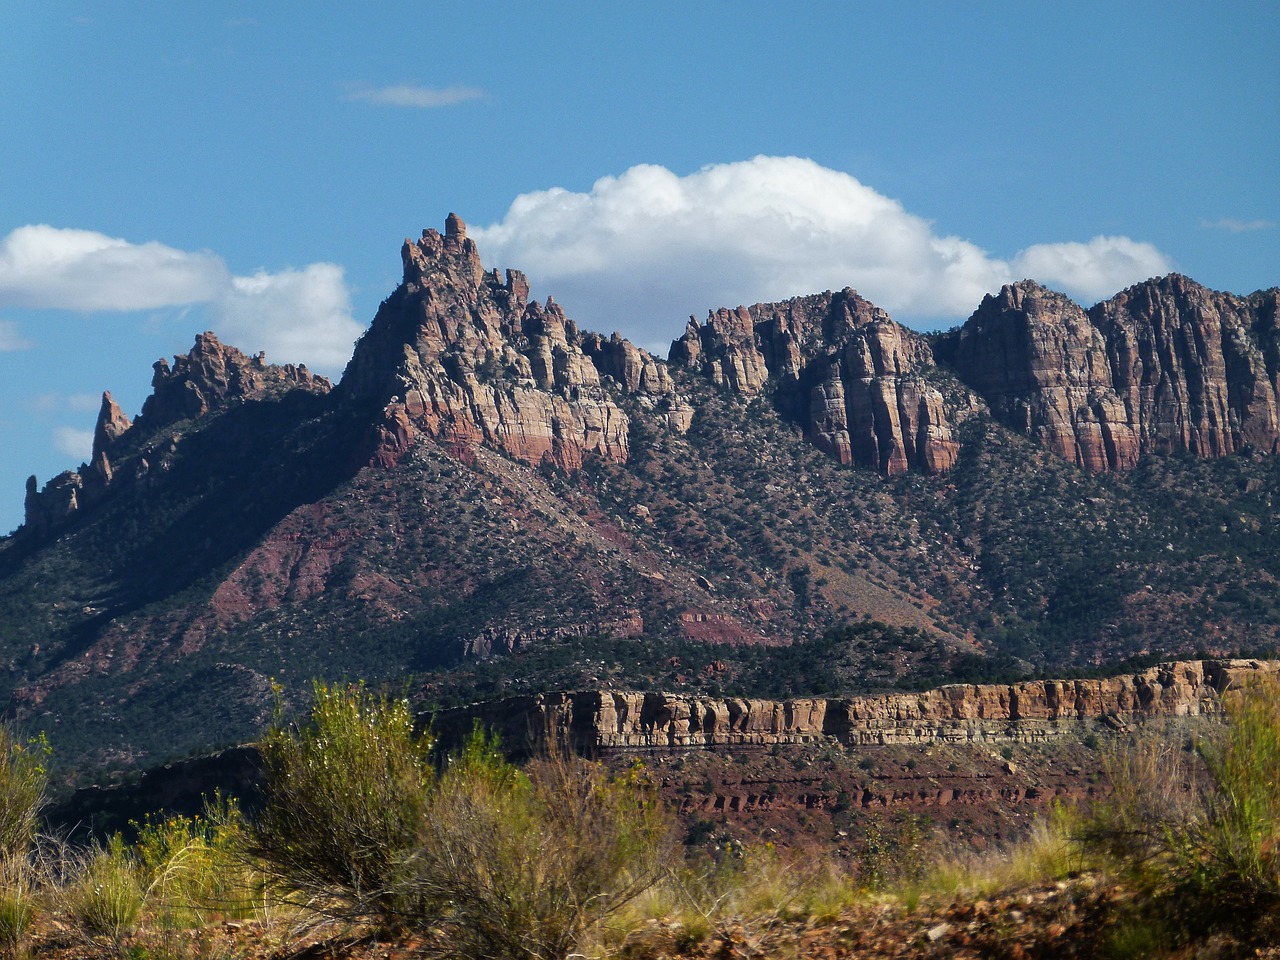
(112, 424)
(461, 354)
(448, 258)
(212, 376)
(844, 370)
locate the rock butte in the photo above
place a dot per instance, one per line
(597, 721)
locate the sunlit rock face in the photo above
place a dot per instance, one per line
(462, 354)
(853, 378)
(1166, 366)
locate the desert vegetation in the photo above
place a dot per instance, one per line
(370, 841)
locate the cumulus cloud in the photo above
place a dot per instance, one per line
(11, 337)
(1092, 270)
(56, 403)
(294, 315)
(43, 266)
(1232, 225)
(75, 443)
(648, 247)
(412, 95)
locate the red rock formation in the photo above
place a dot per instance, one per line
(1042, 367)
(461, 354)
(199, 384)
(850, 375)
(213, 376)
(1165, 366)
(1033, 711)
(1194, 369)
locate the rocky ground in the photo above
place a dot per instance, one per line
(1086, 917)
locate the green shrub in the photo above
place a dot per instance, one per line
(529, 862)
(192, 870)
(344, 808)
(495, 862)
(22, 791)
(1232, 851)
(1201, 828)
(17, 904)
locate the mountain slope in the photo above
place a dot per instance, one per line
(808, 498)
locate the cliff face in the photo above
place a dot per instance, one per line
(1166, 366)
(1023, 712)
(850, 376)
(463, 355)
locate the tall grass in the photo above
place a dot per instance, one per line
(1197, 823)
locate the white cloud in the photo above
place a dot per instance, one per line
(648, 248)
(75, 443)
(412, 95)
(58, 403)
(1093, 270)
(11, 337)
(296, 316)
(1232, 225)
(43, 266)
(294, 313)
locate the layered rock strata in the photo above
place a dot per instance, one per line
(463, 355)
(1166, 366)
(594, 721)
(853, 378)
(209, 379)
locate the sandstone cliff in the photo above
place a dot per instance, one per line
(463, 355)
(595, 721)
(210, 379)
(1166, 366)
(850, 376)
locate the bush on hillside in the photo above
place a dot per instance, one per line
(494, 861)
(346, 799)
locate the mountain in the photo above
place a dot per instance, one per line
(806, 498)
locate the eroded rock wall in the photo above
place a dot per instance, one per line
(854, 379)
(596, 720)
(1166, 366)
(203, 382)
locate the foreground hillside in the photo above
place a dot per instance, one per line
(366, 841)
(806, 499)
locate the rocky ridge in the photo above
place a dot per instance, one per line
(209, 379)
(605, 721)
(1166, 366)
(853, 378)
(463, 355)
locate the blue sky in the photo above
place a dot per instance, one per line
(253, 168)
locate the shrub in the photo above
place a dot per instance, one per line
(1202, 827)
(495, 862)
(1233, 848)
(22, 791)
(105, 897)
(528, 862)
(344, 807)
(22, 795)
(192, 870)
(17, 904)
